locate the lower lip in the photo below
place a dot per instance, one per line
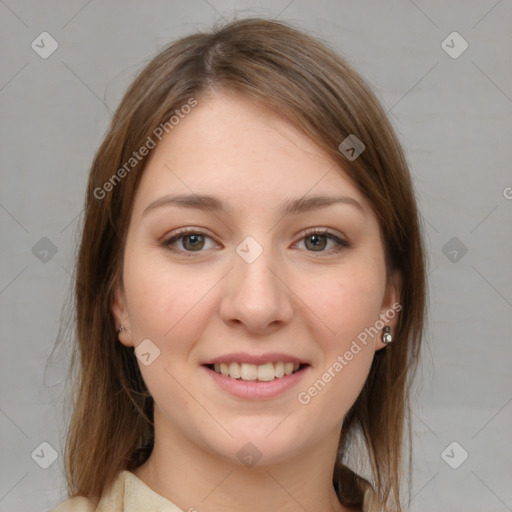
(253, 389)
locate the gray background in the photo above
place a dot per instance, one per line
(452, 114)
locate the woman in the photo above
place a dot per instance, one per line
(250, 287)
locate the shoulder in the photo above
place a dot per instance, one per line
(76, 504)
(128, 493)
(111, 500)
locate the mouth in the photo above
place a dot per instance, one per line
(257, 372)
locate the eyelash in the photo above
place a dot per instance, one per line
(341, 244)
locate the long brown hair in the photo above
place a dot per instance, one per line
(299, 78)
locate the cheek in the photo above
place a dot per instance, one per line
(347, 304)
(163, 300)
(345, 309)
(166, 305)
(348, 307)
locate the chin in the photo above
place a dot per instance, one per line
(262, 447)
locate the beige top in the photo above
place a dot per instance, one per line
(127, 494)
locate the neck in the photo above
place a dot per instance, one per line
(198, 480)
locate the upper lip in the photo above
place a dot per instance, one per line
(258, 359)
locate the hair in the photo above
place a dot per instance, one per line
(300, 79)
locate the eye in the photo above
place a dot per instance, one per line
(188, 240)
(317, 240)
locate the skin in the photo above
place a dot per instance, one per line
(210, 302)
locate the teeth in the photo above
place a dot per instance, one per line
(234, 370)
(266, 372)
(248, 371)
(262, 372)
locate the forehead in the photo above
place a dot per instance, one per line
(236, 149)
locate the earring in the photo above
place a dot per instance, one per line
(121, 328)
(386, 335)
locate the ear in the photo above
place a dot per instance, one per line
(391, 305)
(121, 317)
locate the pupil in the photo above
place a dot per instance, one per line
(317, 243)
(194, 241)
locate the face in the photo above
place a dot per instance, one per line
(259, 279)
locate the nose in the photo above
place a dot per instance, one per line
(256, 295)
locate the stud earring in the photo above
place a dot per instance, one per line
(386, 335)
(121, 328)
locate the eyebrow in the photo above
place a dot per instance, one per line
(291, 206)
